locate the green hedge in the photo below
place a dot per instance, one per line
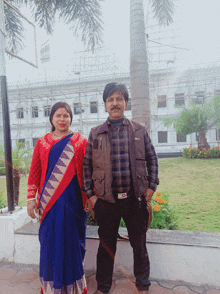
(2, 167)
(193, 152)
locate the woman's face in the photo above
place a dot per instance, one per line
(61, 120)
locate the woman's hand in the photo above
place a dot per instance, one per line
(32, 208)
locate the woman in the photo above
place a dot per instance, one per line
(56, 174)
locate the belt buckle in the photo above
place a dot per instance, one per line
(122, 195)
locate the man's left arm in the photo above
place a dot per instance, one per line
(152, 168)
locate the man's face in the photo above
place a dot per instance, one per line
(116, 105)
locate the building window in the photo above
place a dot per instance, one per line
(76, 107)
(34, 111)
(22, 141)
(179, 99)
(20, 112)
(47, 110)
(129, 104)
(162, 137)
(197, 137)
(180, 138)
(218, 135)
(34, 140)
(200, 97)
(217, 93)
(161, 101)
(94, 107)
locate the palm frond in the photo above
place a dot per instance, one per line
(14, 30)
(44, 13)
(163, 11)
(84, 16)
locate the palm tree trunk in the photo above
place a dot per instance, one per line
(203, 141)
(16, 176)
(140, 98)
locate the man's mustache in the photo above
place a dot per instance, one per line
(115, 107)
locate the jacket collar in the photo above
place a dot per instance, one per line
(134, 126)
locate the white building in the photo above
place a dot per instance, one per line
(30, 104)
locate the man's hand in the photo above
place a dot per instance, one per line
(149, 194)
(31, 207)
(90, 203)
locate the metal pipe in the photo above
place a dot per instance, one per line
(7, 143)
(2, 42)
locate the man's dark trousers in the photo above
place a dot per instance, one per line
(108, 216)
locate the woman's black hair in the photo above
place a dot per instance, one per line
(54, 109)
(111, 88)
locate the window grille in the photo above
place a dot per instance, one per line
(94, 107)
(161, 101)
(179, 99)
(34, 111)
(20, 112)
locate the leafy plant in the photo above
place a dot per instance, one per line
(21, 158)
(193, 152)
(90, 220)
(83, 17)
(2, 203)
(163, 217)
(197, 118)
(2, 167)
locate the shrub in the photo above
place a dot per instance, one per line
(163, 217)
(193, 152)
(2, 202)
(90, 220)
(2, 167)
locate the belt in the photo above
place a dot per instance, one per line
(122, 195)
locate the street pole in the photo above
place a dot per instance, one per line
(5, 116)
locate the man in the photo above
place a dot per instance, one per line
(120, 176)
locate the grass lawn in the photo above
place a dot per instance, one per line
(193, 189)
(191, 186)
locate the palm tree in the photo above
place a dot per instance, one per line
(197, 118)
(83, 16)
(139, 75)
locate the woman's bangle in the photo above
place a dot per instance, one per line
(30, 199)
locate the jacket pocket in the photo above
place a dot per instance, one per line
(141, 172)
(99, 182)
(98, 158)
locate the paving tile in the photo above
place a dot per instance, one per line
(25, 267)
(6, 273)
(92, 284)
(157, 289)
(213, 291)
(125, 286)
(23, 277)
(5, 288)
(36, 284)
(199, 289)
(169, 284)
(182, 290)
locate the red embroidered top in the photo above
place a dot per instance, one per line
(39, 163)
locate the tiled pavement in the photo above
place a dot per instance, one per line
(23, 279)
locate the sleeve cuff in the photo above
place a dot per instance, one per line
(90, 193)
(152, 186)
